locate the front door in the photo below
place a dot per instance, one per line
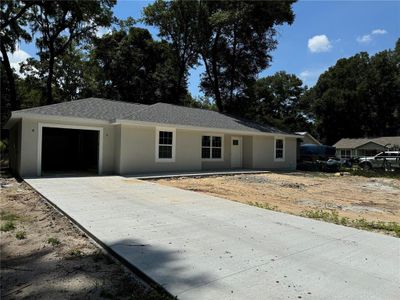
(236, 152)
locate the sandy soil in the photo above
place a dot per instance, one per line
(354, 197)
(74, 269)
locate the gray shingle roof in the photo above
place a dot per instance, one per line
(347, 143)
(179, 115)
(109, 110)
(92, 108)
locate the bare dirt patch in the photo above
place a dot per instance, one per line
(43, 255)
(353, 197)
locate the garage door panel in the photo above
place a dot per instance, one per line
(69, 150)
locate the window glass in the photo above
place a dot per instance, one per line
(165, 144)
(279, 153)
(216, 152)
(279, 149)
(279, 144)
(216, 141)
(165, 138)
(211, 147)
(165, 152)
(205, 152)
(235, 142)
(205, 141)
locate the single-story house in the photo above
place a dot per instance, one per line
(307, 138)
(113, 137)
(349, 148)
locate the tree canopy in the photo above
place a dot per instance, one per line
(233, 40)
(358, 97)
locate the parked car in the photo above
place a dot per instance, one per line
(318, 158)
(386, 160)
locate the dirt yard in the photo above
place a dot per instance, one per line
(43, 256)
(355, 197)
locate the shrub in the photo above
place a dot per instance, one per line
(20, 235)
(7, 226)
(53, 241)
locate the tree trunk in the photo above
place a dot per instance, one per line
(14, 101)
(49, 86)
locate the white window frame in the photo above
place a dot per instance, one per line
(169, 129)
(283, 148)
(51, 125)
(222, 146)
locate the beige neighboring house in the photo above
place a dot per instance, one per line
(110, 137)
(349, 148)
(308, 138)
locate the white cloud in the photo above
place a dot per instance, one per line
(319, 43)
(367, 38)
(16, 58)
(310, 76)
(379, 31)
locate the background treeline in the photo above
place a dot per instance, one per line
(233, 40)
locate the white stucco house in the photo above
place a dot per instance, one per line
(111, 137)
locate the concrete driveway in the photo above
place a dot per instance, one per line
(203, 247)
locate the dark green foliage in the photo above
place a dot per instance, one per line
(232, 38)
(277, 100)
(131, 66)
(359, 96)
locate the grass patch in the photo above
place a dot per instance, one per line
(375, 173)
(75, 253)
(6, 216)
(20, 235)
(263, 205)
(7, 226)
(333, 217)
(53, 241)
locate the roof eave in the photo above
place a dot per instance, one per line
(204, 129)
(57, 118)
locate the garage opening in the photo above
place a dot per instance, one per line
(70, 151)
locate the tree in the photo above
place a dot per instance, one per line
(177, 24)
(234, 42)
(60, 23)
(130, 66)
(358, 97)
(13, 23)
(277, 100)
(233, 39)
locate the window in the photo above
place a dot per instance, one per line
(165, 145)
(345, 153)
(279, 149)
(211, 147)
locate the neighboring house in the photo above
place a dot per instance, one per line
(112, 137)
(308, 138)
(349, 148)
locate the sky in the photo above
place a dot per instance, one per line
(322, 33)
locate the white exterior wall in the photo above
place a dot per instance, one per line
(131, 149)
(263, 153)
(138, 151)
(30, 140)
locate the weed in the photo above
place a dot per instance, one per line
(75, 253)
(263, 205)
(53, 241)
(375, 173)
(20, 235)
(333, 217)
(5, 216)
(7, 226)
